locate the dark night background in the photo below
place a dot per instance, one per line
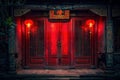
(7, 18)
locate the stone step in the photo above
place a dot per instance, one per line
(50, 77)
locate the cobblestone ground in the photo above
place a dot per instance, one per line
(71, 72)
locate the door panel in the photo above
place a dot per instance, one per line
(34, 44)
(57, 42)
(51, 34)
(82, 39)
(64, 39)
(65, 44)
(84, 44)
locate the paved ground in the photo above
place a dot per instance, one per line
(62, 72)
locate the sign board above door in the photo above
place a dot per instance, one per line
(59, 14)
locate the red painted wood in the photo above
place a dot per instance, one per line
(37, 61)
(59, 43)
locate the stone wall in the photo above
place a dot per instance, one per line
(3, 55)
(116, 60)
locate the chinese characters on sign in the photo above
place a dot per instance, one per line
(59, 14)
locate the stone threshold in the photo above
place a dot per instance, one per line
(60, 72)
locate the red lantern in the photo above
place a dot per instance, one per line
(28, 23)
(90, 22)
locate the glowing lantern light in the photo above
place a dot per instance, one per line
(28, 23)
(90, 22)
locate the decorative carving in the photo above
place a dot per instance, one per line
(20, 12)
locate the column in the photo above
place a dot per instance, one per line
(109, 38)
(11, 43)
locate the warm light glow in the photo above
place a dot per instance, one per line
(28, 23)
(58, 38)
(64, 38)
(54, 36)
(90, 23)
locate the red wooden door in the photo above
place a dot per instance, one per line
(33, 44)
(85, 43)
(58, 43)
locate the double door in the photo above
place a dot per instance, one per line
(58, 45)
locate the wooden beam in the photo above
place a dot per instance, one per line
(70, 7)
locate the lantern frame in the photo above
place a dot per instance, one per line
(90, 22)
(28, 22)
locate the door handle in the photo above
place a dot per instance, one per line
(59, 44)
